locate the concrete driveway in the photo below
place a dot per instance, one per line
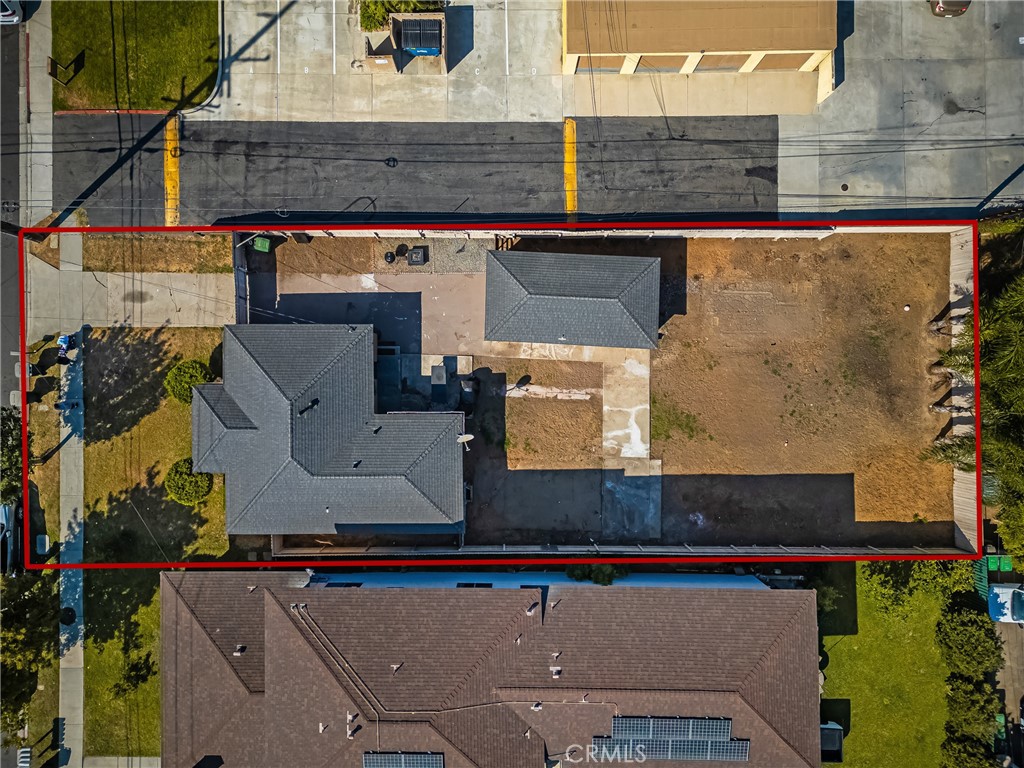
(928, 114)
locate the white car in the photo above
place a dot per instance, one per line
(1006, 603)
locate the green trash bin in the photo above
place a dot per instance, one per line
(1005, 563)
(261, 244)
(993, 562)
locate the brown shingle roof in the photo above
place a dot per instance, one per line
(471, 666)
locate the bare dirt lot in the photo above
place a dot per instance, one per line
(535, 462)
(543, 428)
(799, 392)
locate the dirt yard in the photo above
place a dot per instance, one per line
(801, 389)
(156, 253)
(524, 407)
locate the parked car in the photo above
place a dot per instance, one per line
(9, 532)
(949, 8)
(1006, 603)
(10, 12)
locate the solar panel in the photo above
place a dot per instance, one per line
(736, 751)
(403, 760)
(631, 727)
(672, 738)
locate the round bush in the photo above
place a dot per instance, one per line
(185, 375)
(185, 486)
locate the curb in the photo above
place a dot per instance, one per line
(221, 46)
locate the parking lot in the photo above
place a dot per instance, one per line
(300, 60)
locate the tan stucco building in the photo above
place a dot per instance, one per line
(695, 37)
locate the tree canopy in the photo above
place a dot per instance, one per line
(10, 455)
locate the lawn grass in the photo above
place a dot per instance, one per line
(135, 55)
(156, 253)
(126, 459)
(42, 711)
(122, 725)
(1002, 225)
(892, 675)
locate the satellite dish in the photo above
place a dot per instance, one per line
(463, 439)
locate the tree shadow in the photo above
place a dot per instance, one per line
(138, 525)
(1000, 259)
(124, 373)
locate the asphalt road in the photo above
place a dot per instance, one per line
(111, 166)
(9, 195)
(361, 171)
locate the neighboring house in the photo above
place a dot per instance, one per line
(548, 298)
(294, 431)
(694, 37)
(260, 672)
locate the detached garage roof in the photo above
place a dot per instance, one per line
(687, 26)
(558, 298)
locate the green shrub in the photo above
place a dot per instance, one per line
(185, 375)
(373, 14)
(185, 486)
(972, 706)
(965, 752)
(602, 573)
(968, 643)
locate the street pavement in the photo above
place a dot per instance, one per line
(10, 180)
(925, 121)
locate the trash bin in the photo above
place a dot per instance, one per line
(261, 244)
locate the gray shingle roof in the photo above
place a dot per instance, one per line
(294, 432)
(471, 663)
(601, 301)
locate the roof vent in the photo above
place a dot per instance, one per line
(537, 707)
(562, 337)
(527, 734)
(323, 727)
(519, 638)
(530, 611)
(377, 429)
(312, 404)
(396, 667)
(239, 650)
(555, 655)
(356, 463)
(252, 588)
(350, 717)
(556, 672)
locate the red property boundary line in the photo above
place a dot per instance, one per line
(501, 561)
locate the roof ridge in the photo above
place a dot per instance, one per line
(198, 621)
(515, 620)
(509, 315)
(263, 489)
(323, 371)
(630, 315)
(418, 459)
(756, 668)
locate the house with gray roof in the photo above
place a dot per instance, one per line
(556, 298)
(263, 670)
(294, 430)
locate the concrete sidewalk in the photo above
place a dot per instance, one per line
(71, 697)
(65, 299)
(37, 122)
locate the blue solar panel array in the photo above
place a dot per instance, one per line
(403, 760)
(672, 738)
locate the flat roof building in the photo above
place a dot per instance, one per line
(700, 36)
